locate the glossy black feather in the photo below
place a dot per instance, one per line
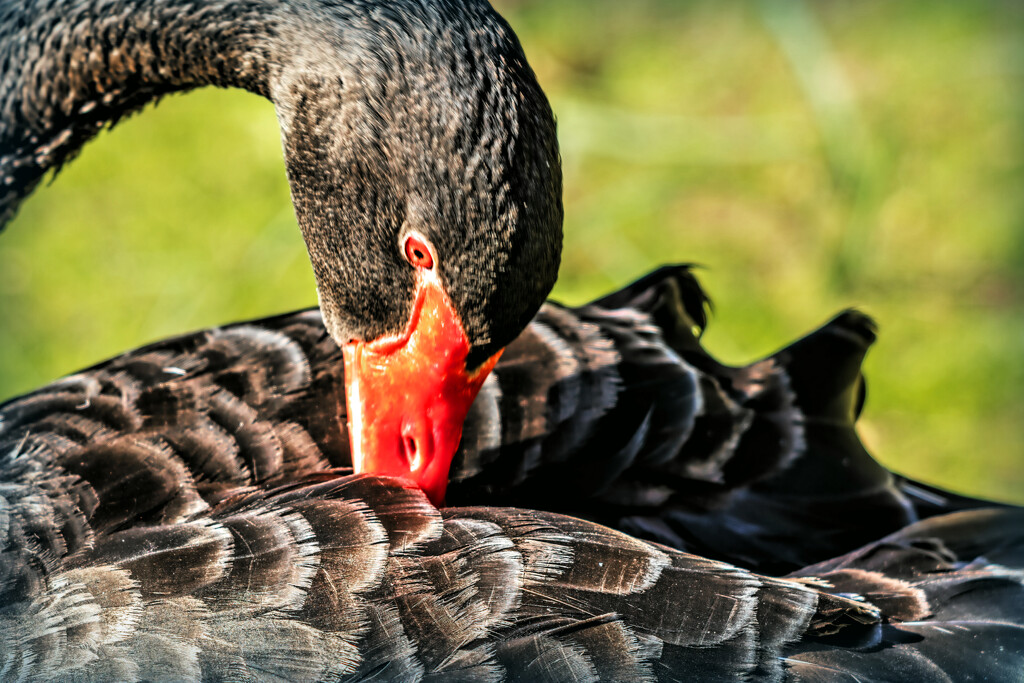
(187, 486)
(613, 414)
(359, 578)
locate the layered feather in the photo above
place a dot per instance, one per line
(612, 411)
(358, 578)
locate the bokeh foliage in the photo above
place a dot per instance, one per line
(812, 155)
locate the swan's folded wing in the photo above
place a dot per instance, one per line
(611, 412)
(359, 578)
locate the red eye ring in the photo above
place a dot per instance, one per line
(417, 253)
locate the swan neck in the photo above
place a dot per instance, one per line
(69, 68)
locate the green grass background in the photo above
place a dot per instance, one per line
(812, 155)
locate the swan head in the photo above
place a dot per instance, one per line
(427, 128)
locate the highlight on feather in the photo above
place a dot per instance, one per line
(353, 576)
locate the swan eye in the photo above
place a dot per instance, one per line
(417, 253)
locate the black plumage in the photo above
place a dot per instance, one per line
(183, 512)
(337, 577)
(194, 485)
(611, 411)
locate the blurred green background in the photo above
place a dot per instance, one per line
(811, 155)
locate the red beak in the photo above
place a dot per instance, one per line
(408, 396)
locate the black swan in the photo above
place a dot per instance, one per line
(157, 526)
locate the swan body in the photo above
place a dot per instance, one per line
(611, 411)
(183, 512)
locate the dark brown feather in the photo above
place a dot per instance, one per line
(610, 413)
(361, 578)
(172, 513)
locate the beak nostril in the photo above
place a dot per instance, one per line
(412, 453)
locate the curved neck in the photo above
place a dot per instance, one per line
(69, 68)
(393, 113)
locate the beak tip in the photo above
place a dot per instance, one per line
(407, 399)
